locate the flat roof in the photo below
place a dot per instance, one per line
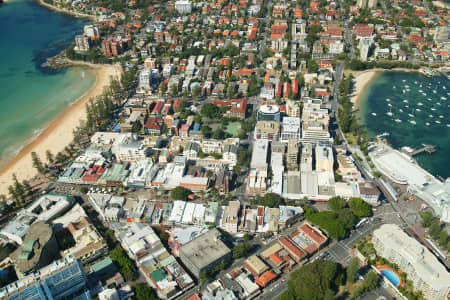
(205, 249)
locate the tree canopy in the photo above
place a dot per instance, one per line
(359, 207)
(318, 280)
(180, 193)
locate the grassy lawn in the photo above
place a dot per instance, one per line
(234, 128)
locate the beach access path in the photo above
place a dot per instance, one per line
(59, 133)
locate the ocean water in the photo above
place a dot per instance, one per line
(32, 96)
(411, 97)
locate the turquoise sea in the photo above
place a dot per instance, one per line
(399, 100)
(32, 96)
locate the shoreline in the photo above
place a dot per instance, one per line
(363, 78)
(59, 133)
(67, 12)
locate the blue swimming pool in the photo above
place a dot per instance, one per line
(391, 276)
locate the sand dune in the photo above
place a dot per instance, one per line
(58, 134)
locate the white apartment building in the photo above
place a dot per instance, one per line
(422, 267)
(183, 6)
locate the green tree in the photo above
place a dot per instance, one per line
(359, 207)
(144, 292)
(180, 193)
(196, 91)
(241, 249)
(49, 156)
(315, 281)
(37, 163)
(124, 263)
(209, 110)
(337, 203)
(270, 200)
(370, 281)
(352, 269)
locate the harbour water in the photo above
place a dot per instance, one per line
(32, 96)
(413, 109)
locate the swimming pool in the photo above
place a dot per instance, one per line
(391, 276)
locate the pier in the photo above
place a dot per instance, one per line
(425, 148)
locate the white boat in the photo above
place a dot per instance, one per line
(387, 99)
(434, 92)
(418, 109)
(428, 124)
(424, 94)
(448, 125)
(405, 101)
(408, 90)
(404, 80)
(433, 109)
(403, 91)
(438, 103)
(443, 98)
(390, 105)
(437, 121)
(411, 115)
(415, 82)
(389, 114)
(398, 120)
(431, 116)
(441, 116)
(413, 122)
(407, 106)
(394, 87)
(420, 91)
(444, 87)
(374, 114)
(400, 110)
(429, 99)
(420, 103)
(82, 74)
(406, 86)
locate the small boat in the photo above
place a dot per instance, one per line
(413, 122)
(437, 122)
(407, 106)
(387, 99)
(374, 114)
(443, 98)
(398, 120)
(400, 110)
(444, 87)
(428, 124)
(433, 109)
(431, 116)
(405, 101)
(394, 87)
(434, 92)
(404, 80)
(448, 125)
(420, 85)
(390, 105)
(438, 103)
(408, 90)
(420, 103)
(424, 94)
(420, 91)
(441, 116)
(429, 99)
(407, 86)
(418, 109)
(411, 115)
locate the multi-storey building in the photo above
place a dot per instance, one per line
(81, 43)
(63, 279)
(422, 267)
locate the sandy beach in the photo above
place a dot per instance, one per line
(363, 78)
(58, 134)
